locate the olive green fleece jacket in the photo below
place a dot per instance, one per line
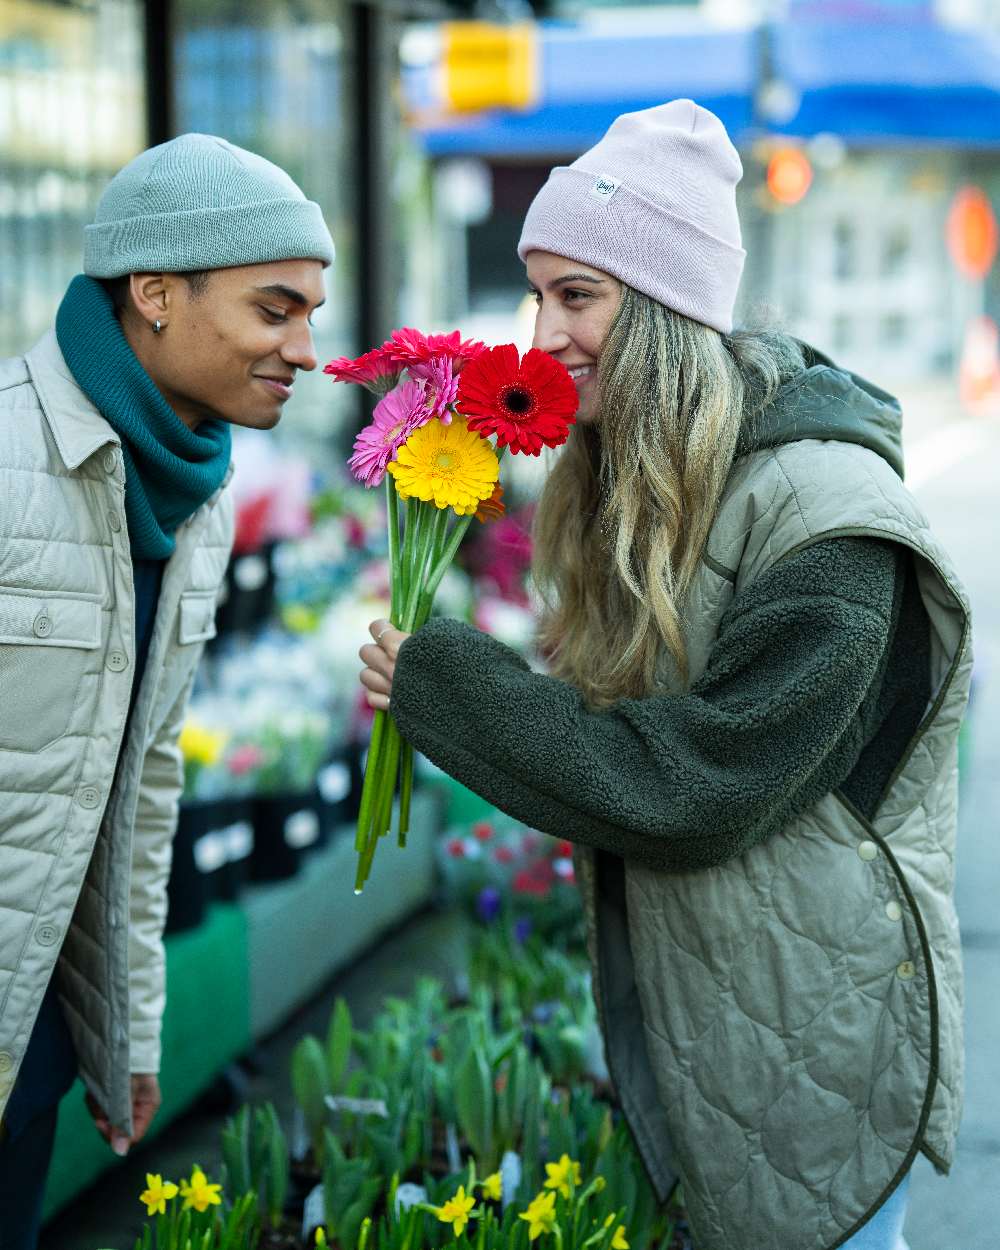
(817, 680)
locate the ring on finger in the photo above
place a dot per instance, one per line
(378, 636)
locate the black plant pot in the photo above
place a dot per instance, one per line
(224, 845)
(187, 892)
(212, 850)
(249, 597)
(285, 826)
(339, 786)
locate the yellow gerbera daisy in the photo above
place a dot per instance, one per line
(447, 465)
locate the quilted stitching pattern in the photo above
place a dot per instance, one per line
(66, 820)
(794, 1063)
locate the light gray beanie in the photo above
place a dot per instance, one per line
(199, 202)
(654, 204)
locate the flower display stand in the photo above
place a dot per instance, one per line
(302, 930)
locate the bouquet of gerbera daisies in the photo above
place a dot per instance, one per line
(448, 410)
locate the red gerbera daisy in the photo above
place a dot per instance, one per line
(412, 347)
(376, 370)
(527, 403)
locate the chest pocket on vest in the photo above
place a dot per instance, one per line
(46, 646)
(196, 622)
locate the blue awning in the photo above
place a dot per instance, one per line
(870, 83)
(897, 82)
(587, 80)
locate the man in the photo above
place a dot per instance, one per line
(201, 270)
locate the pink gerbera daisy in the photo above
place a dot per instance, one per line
(411, 347)
(376, 371)
(440, 385)
(395, 418)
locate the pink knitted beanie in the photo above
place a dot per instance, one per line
(654, 204)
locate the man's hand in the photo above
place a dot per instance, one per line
(146, 1101)
(380, 662)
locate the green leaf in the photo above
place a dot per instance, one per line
(474, 1097)
(311, 1086)
(338, 1044)
(278, 1168)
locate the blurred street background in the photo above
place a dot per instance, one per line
(870, 137)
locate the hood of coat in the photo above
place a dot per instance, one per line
(827, 402)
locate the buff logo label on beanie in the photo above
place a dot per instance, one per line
(604, 188)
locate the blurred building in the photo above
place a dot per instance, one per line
(87, 84)
(861, 126)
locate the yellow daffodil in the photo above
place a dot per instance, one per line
(157, 1193)
(562, 1174)
(493, 1187)
(321, 1237)
(618, 1241)
(202, 745)
(199, 1193)
(448, 465)
(541, 1215)
(456, 1210)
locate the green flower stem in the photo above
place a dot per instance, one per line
(443, 563)
(381, 769)
(405, 792)
(387, 781)
(424, 542)
(416, 523)
(392, 507)
(368, 790)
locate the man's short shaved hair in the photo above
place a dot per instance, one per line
(117, 288)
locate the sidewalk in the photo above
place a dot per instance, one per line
(962, 1212)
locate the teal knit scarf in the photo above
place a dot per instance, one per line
(170, 470)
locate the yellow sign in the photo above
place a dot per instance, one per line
(490, 66)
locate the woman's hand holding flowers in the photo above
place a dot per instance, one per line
(380, 662)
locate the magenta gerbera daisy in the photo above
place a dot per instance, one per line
(412, 347)
(528, 403)
(395, 418)
(440, 385)
(376, 371)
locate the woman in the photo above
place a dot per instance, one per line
(759, 660)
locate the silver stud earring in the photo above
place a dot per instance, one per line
(157, 326)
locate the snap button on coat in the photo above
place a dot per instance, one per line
(6, 1061)
(115, 521)
(89, 797)
(893, 910)
(110, 460)
(906, 971)
(867, 850)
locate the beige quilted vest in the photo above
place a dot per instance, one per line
(785, 1031)
(87, 816)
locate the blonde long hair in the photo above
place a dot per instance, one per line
(628, 505)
